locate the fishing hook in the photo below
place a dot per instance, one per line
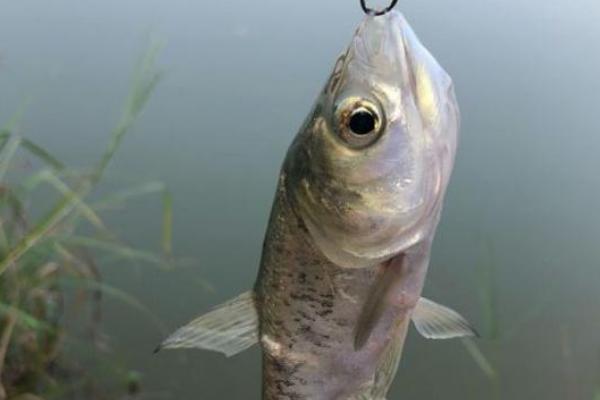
(370, 11)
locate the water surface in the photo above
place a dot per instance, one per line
(240, 78)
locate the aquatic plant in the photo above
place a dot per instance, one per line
(495, 337)
(48, 260)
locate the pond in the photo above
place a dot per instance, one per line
(517, 248)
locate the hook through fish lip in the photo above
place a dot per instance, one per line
(376, 13)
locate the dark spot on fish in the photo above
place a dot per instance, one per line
(327, 303)
(324, 313)
(303, 297)
(306, 316)
(302, 225)
(341, 322)
(291, 395)
(302, 277)
(278, 365)
(284, 382)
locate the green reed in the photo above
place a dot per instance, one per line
(50, 260)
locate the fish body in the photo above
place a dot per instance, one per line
(308, 308)
(354, 218)
(348, 242)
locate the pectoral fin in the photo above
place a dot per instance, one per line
(229, 329)
(432, 320)
(376, 300)
(435, 321)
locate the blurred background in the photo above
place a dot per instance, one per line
(516, 252)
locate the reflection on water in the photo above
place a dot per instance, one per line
(516, 250)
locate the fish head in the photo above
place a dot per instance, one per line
(368, 170)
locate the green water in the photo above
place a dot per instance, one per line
(521, 224)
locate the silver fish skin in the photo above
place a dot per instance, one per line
(358, 201)
(347, 247)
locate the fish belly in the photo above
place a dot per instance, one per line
(308, 308)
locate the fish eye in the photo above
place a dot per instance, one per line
(362, 122)
(359, 122)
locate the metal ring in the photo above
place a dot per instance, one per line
(370, 11)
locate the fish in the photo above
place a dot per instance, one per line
(349, 237)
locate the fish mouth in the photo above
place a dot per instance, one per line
(379, 44)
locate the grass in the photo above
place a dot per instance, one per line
(485, 278)
(48, 260)
(496, 336)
